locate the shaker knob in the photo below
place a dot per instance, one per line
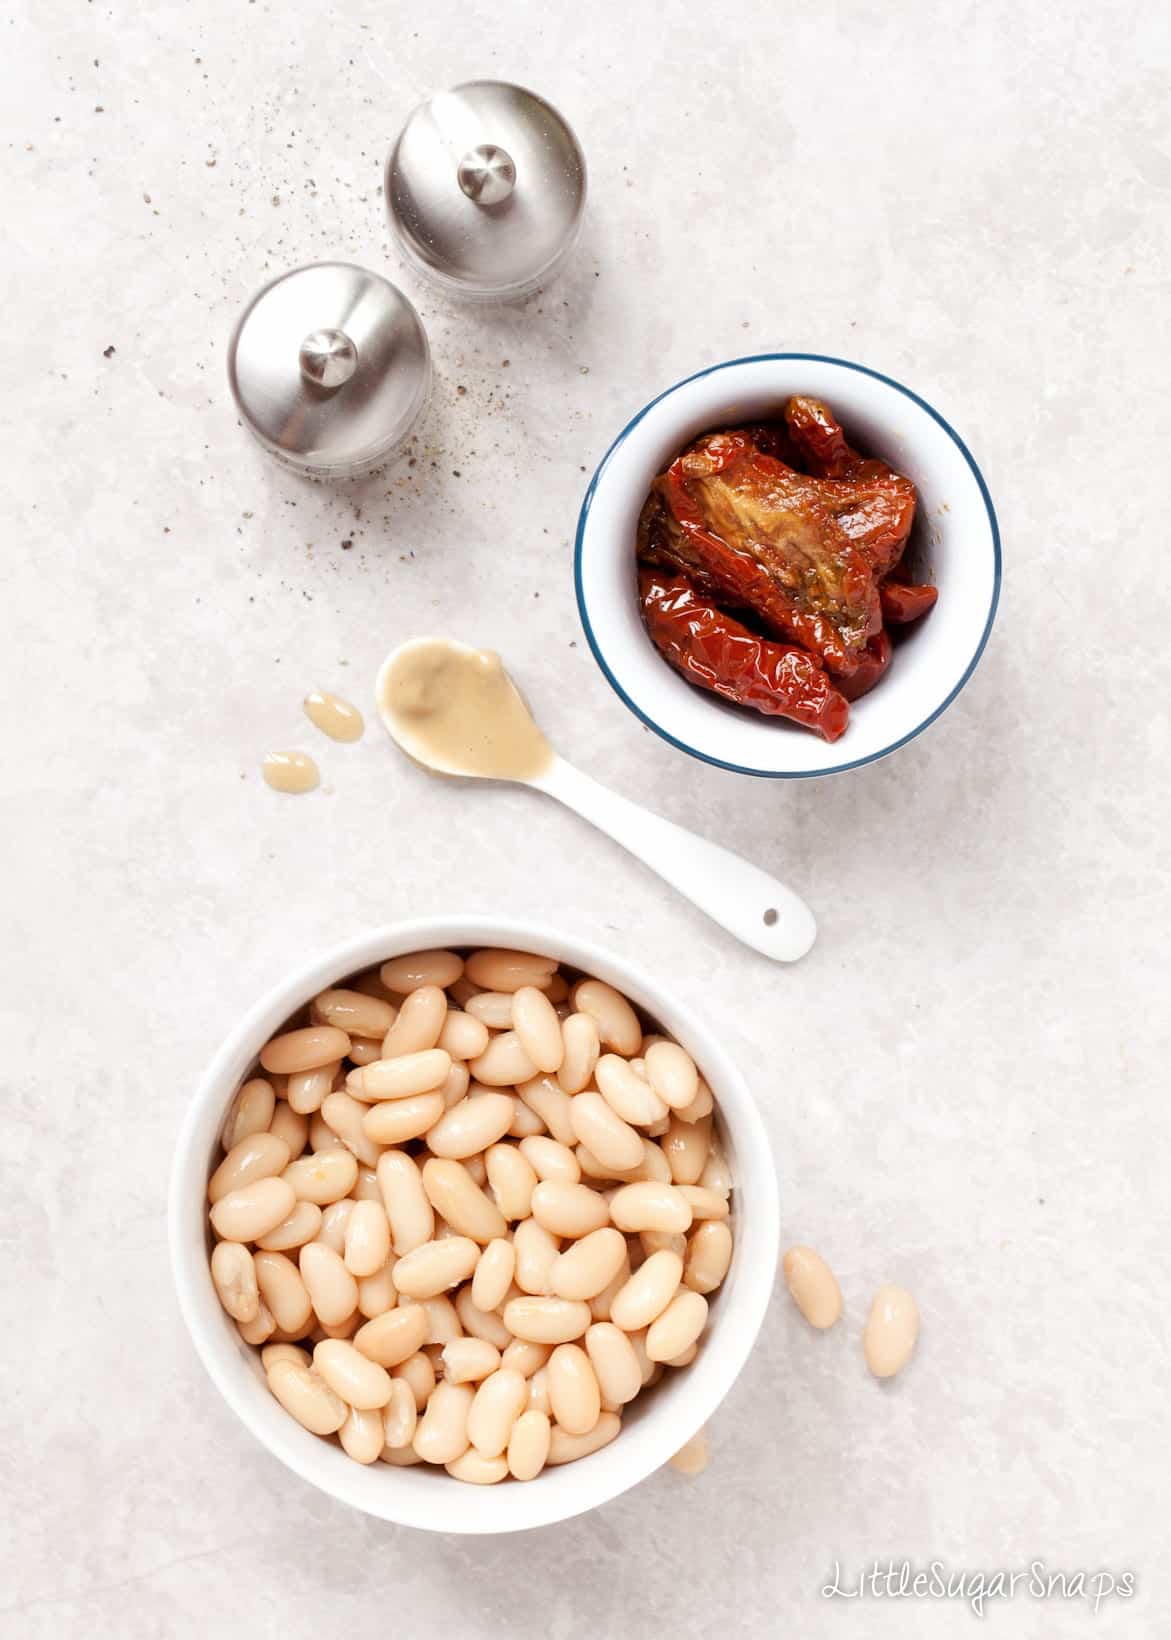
(486, 174)
(328, 358)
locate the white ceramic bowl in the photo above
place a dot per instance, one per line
(658, 1423)
(955, 537)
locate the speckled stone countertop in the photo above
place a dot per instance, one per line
(965, 1083)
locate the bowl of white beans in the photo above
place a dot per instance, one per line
(473, 1223)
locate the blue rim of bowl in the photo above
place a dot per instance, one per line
(740, 768)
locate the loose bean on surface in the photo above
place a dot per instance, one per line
(512, 1179)
(617, 1022)
(499, 970)
(234, 1276)
(709, 1253)
(547, 1320)
(549, 1159)
(569, 1209)
(406, 974)
(305, 1049)
(679, 1325)
(648, 1292)
(649, 1205)
(892, 1330)
(254, 1210)
(259, 1156)
(306, 1395)
(331, 1287)
(251, 1112)
(498, 1403)
(494, 1273)
(399, 1120)
(580, 1050)
(573, 1389)
(615, 1362)
(813, 1286)
(692, 1456)
(394, 1337)
(535, 1021)
(359, 1381)
(528, 1445)
(588, 1267)
(565, 1448)
(471, 1126)
(454, 1194)
(412, 1219)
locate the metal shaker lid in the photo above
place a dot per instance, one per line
(329, 367)
(485, 187)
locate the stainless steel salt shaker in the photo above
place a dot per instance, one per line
(330, 369)
(485, 189)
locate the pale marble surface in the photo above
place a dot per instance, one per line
(965, 1083)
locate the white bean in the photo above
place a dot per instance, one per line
(492, 1009)
(499, 970)
(617, 1022)
(254, 1210)
(685, 1145)
(535, 1021)
(549, 1159)
(286, 1124)
(344, 1116)
(394, 1337)
(546, 1320)
(400, 1415)
(355, 1013)
(679, 1325)
(251, 1112)
(359, 1381)
(568, 1209)
(494, 1273)
(331, 1287)
(283, 1291)
(361, 1434)
(234, 1277)
(436, 1266)
(615, 1362)
(709, 1253)
(453, 1193)
(402, 1077)
(626, 1092)
(504, 1062)
(476, 1470)
(398, 1120)
(565, 1448)
(406, 974)
(672, 1074)
(528, 1445)
(650, 1206)
(467, 1360)
(580, 1049)
(498, 1403)
(306, 1395)
(512, 1178)
(471, 1126)
(573, 1389)
(589, 1266)
(892, 1331)
(260, 1156)
(412, 1220)
(536, 1251)
(485, 1324)
(324, 1177)
(305, 1050)
(551, 1103)
(648, 1292)
(463, 1036)
(307, 1089)
(442, 1433)
(420, 1020)
(599, 1127)
(377, 1293)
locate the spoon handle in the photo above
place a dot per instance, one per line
(750, 904)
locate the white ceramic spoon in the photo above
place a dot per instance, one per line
(756, 908)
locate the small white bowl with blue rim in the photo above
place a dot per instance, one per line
(955, 543)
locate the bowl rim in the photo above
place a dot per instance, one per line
(266, 1011)
(652, 723)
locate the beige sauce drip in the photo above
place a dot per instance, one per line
(333, 716)
(458, 710)
(290, 772)
(692, 1458)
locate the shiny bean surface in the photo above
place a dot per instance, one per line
(892, 1331)
(305, 1050)
(538, 1029)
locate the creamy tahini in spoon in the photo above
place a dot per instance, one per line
(458, 709)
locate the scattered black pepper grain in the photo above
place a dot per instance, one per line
(108, 352)
(461, 391)
(346, 545)
(455, 472)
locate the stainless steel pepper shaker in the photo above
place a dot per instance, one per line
(330, 369)
(485, 189)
